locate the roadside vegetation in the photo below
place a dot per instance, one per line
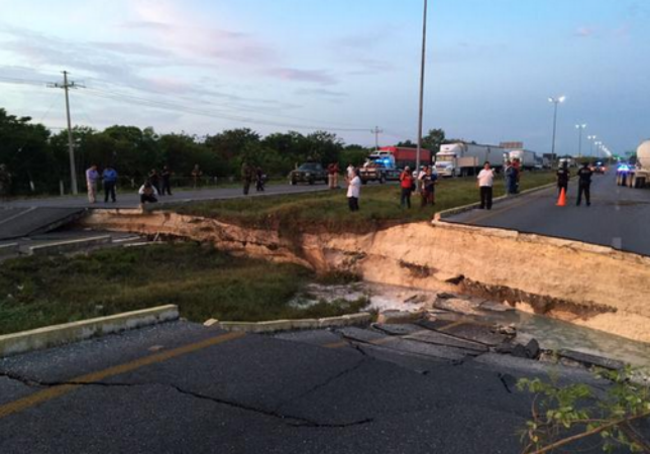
(202, 281)
(328, 210)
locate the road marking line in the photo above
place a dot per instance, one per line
(617, 243)
(22, 213)
(58, 391)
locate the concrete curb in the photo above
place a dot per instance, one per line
(51, 336)
(462, 209)
(69, 246)
(274, 326)
(9, 249)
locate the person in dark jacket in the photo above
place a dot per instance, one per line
(584, 184)
(166, 181)
(563, 177)
(247, 176)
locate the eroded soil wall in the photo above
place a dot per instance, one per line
(590, 285)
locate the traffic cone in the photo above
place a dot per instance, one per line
(561, 201)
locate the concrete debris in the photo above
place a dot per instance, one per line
(397, 329)
(458, 305)
(416, 299)
(496, 307)
(446, 296)
(398, 317)
(571, 357)
(508, 330)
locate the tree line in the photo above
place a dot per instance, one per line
(38, 160)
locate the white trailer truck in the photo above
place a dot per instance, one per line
(527, 159)
(637, 176)
(462, 158)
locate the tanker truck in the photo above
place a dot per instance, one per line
(636, 176)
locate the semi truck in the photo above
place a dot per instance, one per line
(527, 159)
(638, 175)
(461, 158)
(386, 163)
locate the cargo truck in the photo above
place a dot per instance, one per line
(636, 176)
(461, 158)
(527, 159)
(386, 163)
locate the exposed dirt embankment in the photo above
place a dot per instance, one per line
(589, 285)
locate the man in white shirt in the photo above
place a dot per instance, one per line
(485, 182)
(354, 190)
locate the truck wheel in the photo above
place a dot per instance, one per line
(311, 181)
(292, 182)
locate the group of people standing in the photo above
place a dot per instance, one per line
(249, 174)
(584, 181)
(425, 183)
(155, 185)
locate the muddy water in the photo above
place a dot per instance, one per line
(552, 334)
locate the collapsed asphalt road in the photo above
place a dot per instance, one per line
(182, 387)
(618, 216)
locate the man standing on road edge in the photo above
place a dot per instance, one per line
(407, 186)
(354, 191)
(247, 176)
(584, 184)
(563, 176)
(333, 175)
(92, 178)
(485, 183)
(110, 180)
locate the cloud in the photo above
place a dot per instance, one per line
(321, 92)
(302, 75)
(585, 32)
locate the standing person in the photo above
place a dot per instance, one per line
(247, 176)
(110, 181)
(350, 172)
(260, 179)
(511, 178)
(154, 179)
(92, 178)
(354, 191)
(406, 183)
(429, 181)
(333, 175)
(584, 183)
(196, 176)
(148, 193)
(563, 177)
(485, 181)
(5, 182)
(166, 181)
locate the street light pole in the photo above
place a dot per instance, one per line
(555, 101)
(580, 129)
(591, 145)
(422, 66)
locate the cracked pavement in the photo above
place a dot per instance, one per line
(287, 393)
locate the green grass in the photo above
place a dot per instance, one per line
(329, 211)
(203, 282)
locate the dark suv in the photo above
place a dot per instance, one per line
(309, 172)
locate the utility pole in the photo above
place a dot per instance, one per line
(555, 101)
(66, 87)
(376, 132)
(422, 65)
(580, 128)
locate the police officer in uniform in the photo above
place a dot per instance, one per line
(584, 183)
(563, 175)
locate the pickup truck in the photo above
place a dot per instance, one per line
(309, 172)
(373, 171)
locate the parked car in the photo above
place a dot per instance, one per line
(309, 172)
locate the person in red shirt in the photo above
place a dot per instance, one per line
(333, 175)
(406, 183)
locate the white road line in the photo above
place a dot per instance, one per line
(29, 210)
(617, 243)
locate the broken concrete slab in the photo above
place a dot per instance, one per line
(430, 350)
(362, 335)
(496, 307)
(397, 329)
(436, 338)
(458, 305)
(475, 332)
(398, 317)
(588, 360)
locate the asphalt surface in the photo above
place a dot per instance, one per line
(618, 216)
(131, 199)
(301, 393)
(18, 222)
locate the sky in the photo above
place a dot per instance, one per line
(346, 66)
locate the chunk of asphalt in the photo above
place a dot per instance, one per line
(515, 349)
(496, 307)
(589, 360)
(397, 330)
(434, 351)
(437, 338)
(362, 335)
(315, 337)
(458, 305)
(533, 350)
(475, 332)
